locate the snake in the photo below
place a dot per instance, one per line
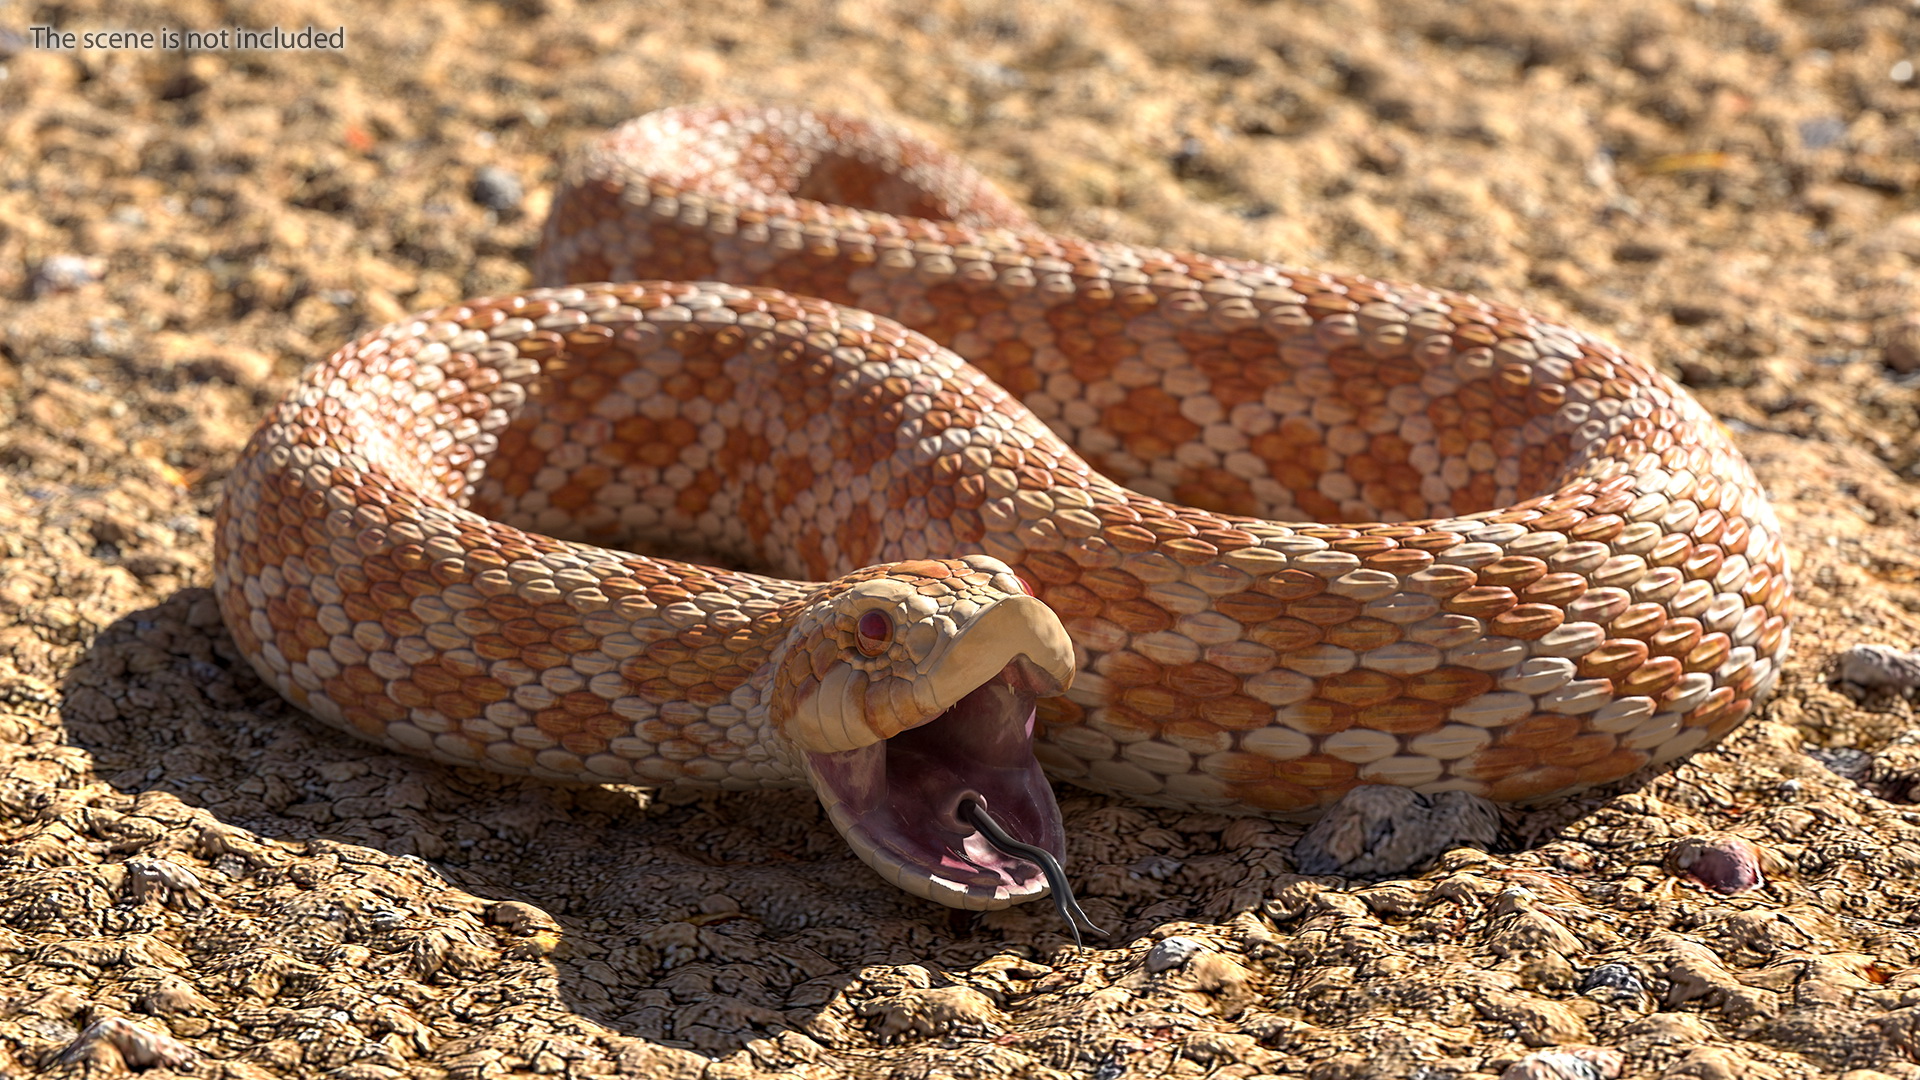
(815, 461)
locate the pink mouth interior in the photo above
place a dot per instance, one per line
(906, 791)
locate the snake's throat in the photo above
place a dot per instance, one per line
(897, 802)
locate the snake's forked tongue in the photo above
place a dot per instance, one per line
(1057, 883)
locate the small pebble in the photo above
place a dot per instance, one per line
(1728, 865)
(1876, 666)
(159, 877)
(1900, 346)
(1844, 761)
(1613, 982)
(1173, 952)
(1379, 830)
(116, 1046)
(1822, 132)
(65, 273)
(520, 918)
(496, 189)
(1586, 1063)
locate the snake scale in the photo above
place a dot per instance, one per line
(938, 466)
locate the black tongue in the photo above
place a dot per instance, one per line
(1057, 883)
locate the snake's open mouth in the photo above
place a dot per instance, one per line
(899, 802)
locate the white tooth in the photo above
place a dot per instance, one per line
(946, 892)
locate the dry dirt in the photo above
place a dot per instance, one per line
(196, 878)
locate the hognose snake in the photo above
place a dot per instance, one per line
(1565, 572)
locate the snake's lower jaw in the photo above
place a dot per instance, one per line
(897, 802)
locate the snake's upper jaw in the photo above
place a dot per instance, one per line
(898, 800)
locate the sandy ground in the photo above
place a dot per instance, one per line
(195, 877)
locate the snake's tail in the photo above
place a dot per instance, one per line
(1057, 883)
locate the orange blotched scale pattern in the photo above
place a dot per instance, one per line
(1550, 569)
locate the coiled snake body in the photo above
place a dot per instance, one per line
(1562, 571)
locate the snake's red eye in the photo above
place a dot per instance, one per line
(874, 633)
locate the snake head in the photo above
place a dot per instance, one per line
(908, 689)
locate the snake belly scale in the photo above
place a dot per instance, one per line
(1275, 533)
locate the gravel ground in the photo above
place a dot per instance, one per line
(196, 878)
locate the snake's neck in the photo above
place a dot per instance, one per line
(697, 659)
